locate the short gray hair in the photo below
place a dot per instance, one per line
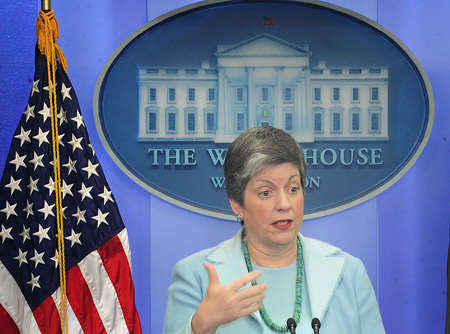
(255, 150)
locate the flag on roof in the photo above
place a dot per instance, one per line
(269, 21)
(93, 248)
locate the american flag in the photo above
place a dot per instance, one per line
(100, 289)
(269, 21)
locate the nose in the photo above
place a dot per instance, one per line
(283, 201)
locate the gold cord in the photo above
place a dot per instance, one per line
(47, 34)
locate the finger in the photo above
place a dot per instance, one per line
(212, 273)
(245, 279)
(250, 309)
(254, 275)
(256, 290)
(252, 290)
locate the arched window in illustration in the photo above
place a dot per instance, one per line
(375, 119)
(374, 95)
(172, 120)
(355, 119)
(151, 119)
(355, 94)
(210, 120)
(240, 120)
(317, 95)
(240, 95)
(152, 95)
(336, 94)
(288, 95)
(288, 119)
(211, 95)
(318, 113)
(190, 95)
(190, 120)
(171, 95)
(336, 114)
(266, 94)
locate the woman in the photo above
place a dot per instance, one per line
(268, 272)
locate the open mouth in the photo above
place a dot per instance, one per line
(282, 223)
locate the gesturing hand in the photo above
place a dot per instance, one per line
(226, 303)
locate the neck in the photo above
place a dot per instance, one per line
(272, 257)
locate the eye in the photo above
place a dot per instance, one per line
(294, 189)
(264, 193)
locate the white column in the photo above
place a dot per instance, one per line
(307, 101)
(278, 112)
(221, 98)
(229, 116)
(142, 113)
(251, 97)
(299, 108)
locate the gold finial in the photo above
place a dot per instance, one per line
(46, 5)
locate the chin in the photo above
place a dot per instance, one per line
(285, 238)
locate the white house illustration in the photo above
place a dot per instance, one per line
(263, 80)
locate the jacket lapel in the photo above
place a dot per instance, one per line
(323, 273)
(229, 255)
(229, 260)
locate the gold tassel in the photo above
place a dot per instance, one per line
(47, 25)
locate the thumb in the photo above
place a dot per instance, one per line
(212, 273)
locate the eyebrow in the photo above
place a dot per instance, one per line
(268, 181)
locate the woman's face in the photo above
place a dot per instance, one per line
(273, 206)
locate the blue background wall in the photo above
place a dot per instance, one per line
(402, 235)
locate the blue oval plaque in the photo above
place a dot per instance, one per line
(177, 92)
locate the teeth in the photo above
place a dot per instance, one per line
(282, 223)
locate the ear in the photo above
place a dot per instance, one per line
(235, 206)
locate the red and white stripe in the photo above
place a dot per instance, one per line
(100, 292)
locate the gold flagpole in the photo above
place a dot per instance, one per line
(46, 5)
(47, 33)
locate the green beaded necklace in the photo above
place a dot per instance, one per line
(298, 289)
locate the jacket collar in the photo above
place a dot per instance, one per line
(323, 273)
(229, 255)
(323, 270)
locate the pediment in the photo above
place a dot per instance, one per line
(263, 45)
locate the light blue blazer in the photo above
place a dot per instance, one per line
(340, 292)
